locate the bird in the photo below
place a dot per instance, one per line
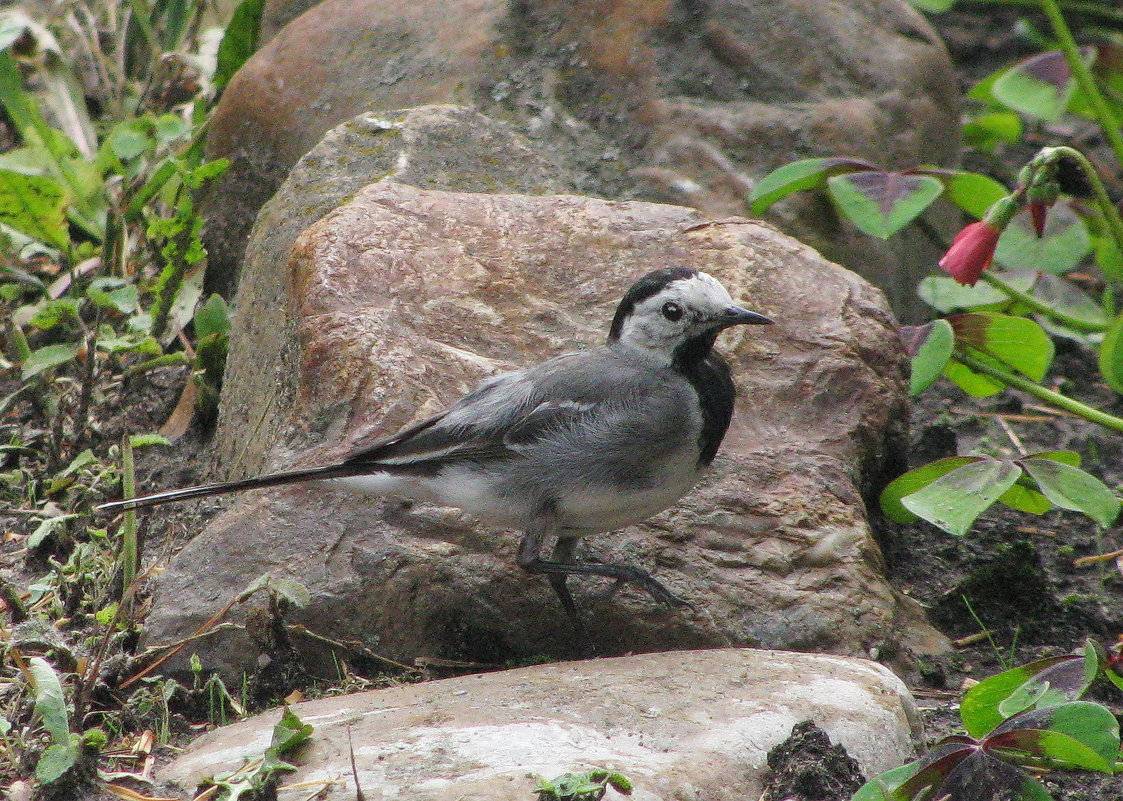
(583, 443)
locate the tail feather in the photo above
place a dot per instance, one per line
(223, 487)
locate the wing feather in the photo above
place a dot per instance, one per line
(509, 412)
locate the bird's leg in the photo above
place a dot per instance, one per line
(533, 542)
(563, 552)
(560, 568)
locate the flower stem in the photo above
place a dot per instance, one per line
(1091, 9)
(1084, 77)
(1109, 209)
(1042, 308)
(1049, 396)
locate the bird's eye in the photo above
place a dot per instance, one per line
(672, 311)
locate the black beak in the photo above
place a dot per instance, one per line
(735, 315)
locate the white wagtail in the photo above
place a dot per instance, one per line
(580, 444)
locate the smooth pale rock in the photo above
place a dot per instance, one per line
(667, 100)
(687, 725)
(400, 301)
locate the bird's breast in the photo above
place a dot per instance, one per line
(593, 509)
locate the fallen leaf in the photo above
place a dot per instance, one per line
(132, 795)
(180, 419)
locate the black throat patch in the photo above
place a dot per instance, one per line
(710, 376)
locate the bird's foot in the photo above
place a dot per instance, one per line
(648, 583)
(624, 574)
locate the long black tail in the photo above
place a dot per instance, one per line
(222, 487)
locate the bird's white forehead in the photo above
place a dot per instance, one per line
(698, 291)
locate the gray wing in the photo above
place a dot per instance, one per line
(513, 411)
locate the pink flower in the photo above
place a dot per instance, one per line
(971, 252)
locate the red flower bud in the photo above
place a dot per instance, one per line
(1037, 211)
(971, 252)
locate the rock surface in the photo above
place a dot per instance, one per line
(688, 725)
(403, 299)
(431, 147)
(666, 100)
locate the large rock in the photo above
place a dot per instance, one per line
(694, 725)
(432, 147)
(671, 100)
(402, 299)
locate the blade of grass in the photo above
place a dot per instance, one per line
(1087, 7)
(128, 524)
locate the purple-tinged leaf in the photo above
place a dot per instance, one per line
(915, 480)
(963, 771)
(947, 295)
(1113, 668)
(1013, 342)
(1065, 296)
(1024, 496)
(1071, 488)
(1092, 727)
(930, 347)
(881, 787)
(1040, 86)
(934, 767)
(954, 501)
(1046, 682)
(1108, 71)
(882, 203)
(1042, 743)
(984, 777)
(799, 175)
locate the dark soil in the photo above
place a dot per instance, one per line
(1013, 590)
(1010, 591)
(806, 767)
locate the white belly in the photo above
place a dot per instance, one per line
(580, 510)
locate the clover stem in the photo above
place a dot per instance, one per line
(1049, 396)
(1084, 77)
(1090, 9)
(1110, 212)
(1042, 308)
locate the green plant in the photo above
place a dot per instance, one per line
(101, 276)
(79, 198)
(67, 750)
(587, 786)
(951, 493)
(1000, 325)
(1017, 724)
(258, 777)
